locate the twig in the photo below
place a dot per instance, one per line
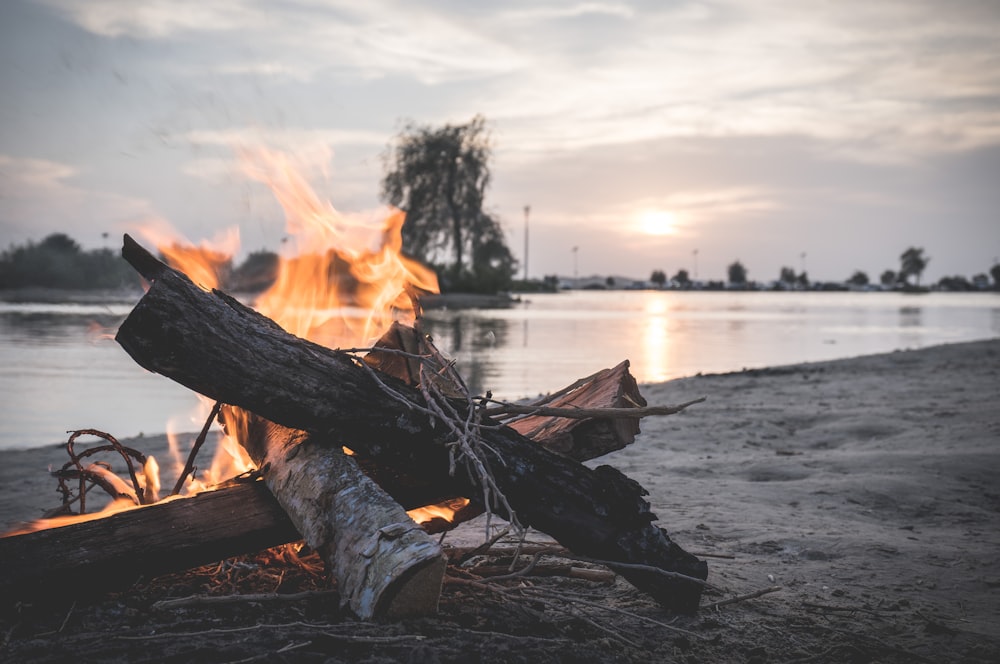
(482, 548)
(201, 600)
(584, 413)
(319, 628)
(124, 452)
(640, 568)
(742, 598)
(705, 554)
(199, 441)
(68, 614)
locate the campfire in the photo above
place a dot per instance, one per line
(337, 425)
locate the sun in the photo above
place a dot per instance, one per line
(658, 222)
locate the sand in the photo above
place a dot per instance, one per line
(864, 488)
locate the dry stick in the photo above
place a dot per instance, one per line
(118, 448)
(742, 598)
(584, 413)
(68, 614)
(198, 600)
(305, 625)
(189, 466)
(95, 478)
(549, 398)
(642, 568)
(482, 548)
(467, 445)
(564, 553)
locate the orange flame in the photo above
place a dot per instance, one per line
(343, 262)
(345, 282)
(208, 264)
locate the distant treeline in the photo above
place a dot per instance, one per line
(58, 261)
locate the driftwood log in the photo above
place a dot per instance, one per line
(216, 346)
(234, 519)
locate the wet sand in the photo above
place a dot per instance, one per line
(865, 488)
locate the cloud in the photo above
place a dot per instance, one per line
(38, 197)
(302, 39)
(159, 19)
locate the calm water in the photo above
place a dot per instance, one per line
(60, 369)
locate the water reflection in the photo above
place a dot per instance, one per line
(656, 341)
(46, 328)
(58, 372)
(910, 316)
(472, 340)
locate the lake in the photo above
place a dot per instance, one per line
(60, 368)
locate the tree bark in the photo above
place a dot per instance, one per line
(214, 345)
(386, 566)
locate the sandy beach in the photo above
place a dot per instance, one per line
(864, 488)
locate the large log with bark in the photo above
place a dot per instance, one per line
(216, 346)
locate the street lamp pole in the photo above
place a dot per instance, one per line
(527, 211)
(576, 275)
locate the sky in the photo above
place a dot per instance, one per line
(661, 135)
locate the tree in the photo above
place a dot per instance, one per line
(682, 279)
(955, 283)
(659, 277)
(59, 262)
(912, 263)
(256, 273)
(60, 243)
(888, 278)
(737, 274)
(995, 273)
(439, 178)
(859, 279)
(787, 276)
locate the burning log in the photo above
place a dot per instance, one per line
(111, 552)
(214, 345)
(236, 519)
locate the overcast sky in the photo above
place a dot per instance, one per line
(639, 132)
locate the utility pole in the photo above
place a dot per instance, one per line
(527, 211)
(695, 254)
(576, 275)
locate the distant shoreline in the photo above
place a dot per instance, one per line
(43, 295)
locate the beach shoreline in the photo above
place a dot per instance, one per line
(864, 488)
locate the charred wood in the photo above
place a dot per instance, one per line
(216, 346)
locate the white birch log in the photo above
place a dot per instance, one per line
(385, 565)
